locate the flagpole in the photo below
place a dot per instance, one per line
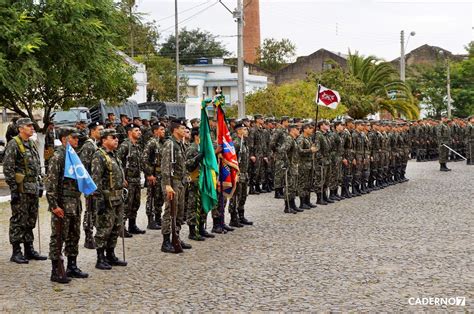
(317, 105)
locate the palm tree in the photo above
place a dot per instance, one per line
(381, 87)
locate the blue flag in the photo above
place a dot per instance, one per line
(74, 169)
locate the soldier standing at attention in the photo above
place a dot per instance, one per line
(107, 173)
(289, 152)
(255, 142)
(65, 205)
(443, 134)
(22, 170)
(306, 151)
(278, 137)
(122, 127)
(237, 202)
(470, 141)
(173, 167)
(129, 153)
(322, 162)
(86, 154)
(151, 161)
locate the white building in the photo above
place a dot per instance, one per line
(139, 76)
(206, 78)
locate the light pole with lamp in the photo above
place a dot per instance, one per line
(403, 45)
(448, 81)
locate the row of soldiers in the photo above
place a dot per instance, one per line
(294, 158)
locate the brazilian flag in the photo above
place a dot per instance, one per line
(208, 168)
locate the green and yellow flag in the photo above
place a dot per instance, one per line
(209, 168)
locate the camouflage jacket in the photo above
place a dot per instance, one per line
(27, 163)
(346, 138)
(130, 157)
(61, 191)
(323, 141)
(242, 156)
(151, 157)
(192, 164)
(175, 168)
(337, 147)
(443, 132)
(122, 133)
(358, 144)
(277, 139)
(87, 152)
(289, 151)
(304, 148)
(256, 141)
(107, 173)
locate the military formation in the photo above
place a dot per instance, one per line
(293, 157)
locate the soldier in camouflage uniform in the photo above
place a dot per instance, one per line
(64, 201)
(323, 165)
(257, 154)
(306, 154)
(86, 154)
(443, 133)
(348, 157)
(358, 145)
(337, 153)
(237, 202)
(173, 167)
(276, 141)
(107, 173)
(121, 128)
(151, 161)
(129, 153)
(147, 133)
(289, 152)
(367, 158)
(469, 134)
(22, 171)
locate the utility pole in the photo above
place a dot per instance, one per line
(176, 35)
(402, 56)
(448, 86)
(239, 16)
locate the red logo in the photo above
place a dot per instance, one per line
(327, 97)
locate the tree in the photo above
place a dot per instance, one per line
(193, 44)
(463, 85)
(161, 73)
(275, 54)
(59, 54)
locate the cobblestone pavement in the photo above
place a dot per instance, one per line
(369, 253)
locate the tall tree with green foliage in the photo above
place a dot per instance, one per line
(193, 44)
(59, 54)
(275, 54)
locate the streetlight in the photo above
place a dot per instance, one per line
(448, 81)
(403, 45)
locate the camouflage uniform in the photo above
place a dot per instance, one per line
(237, 202)
(130, 156)
(255, 144)
(276, 142)
(173, 174)
(25, 207)
(337, 149)
(64, 193)
(194, 213)
(348, 154)
(86, 154)
(289, 151)
(121, 133)
(443, 133)
(305, 166)
(358, 145)
(151, 161)
(322, 170)
(107, 173)
(366, 165)
(470, 143)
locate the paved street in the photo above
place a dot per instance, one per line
(370, 253)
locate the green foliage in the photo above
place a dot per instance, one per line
(463, 85)
(193, 44)
(59, 54)
(275, 54)
(161, 74)
(295, 99)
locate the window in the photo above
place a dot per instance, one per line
(192, 91)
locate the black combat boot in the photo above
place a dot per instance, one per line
(125, 232)
(31, 254)
(303, 204)
(217, 226)
(326, 197)
(234, 221)
(203, 232)
(227, 227)
(152, 225)
(158, 219)
(333, 195)
(184, 245)
(443, 167)
(89, 242)
(55, 276)
(288, 209)
(166, 246)
(308, 201)
(193, 235)
(294, 207)
(112, 259)
(279, 193)
(101, 262)
(355, 189)
(242, 219)
(258, 190)
(72, 270)
(133, 228)
(321, 200)
(252, 190)
(17, 256)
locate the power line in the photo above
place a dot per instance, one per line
(188, 9)
(190, 17)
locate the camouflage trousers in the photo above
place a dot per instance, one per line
(109, 225)
(23, 219)
(255, 171)
(470, 151)
(133, 200)
(305, 173)
(366, 169)
(279, 174)
(194, 212)
(70, 235)
(89, 216)
(237, 202)
(321, 178)
(291, 187)
(179, 191)
(443, 153)
(357, 170)
(154, 199)
(335, 174)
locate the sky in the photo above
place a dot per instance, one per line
(371, 27)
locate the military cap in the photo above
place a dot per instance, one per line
(323, 121)
(93, 125)
(194, 120)
(284, 118)
(307, 125)
(123, 115)
(296, 120)
(358, 122)
(131, 126)
(157, 125)
(82, 122)
(137, 118)
(470, 117)
(110, 113)
(144, 119)
(239, 124)
(349, 119)
(292, 126)
(258, 116)
(23, 121)
(108, 132)
(337, 122)
(179, 121)
(245, 119)
(66, 131)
